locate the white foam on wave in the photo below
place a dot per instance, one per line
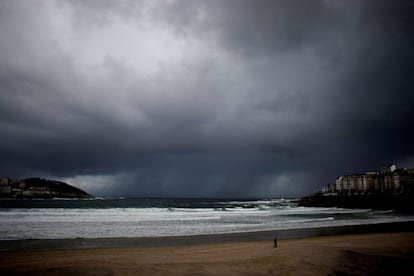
(143, 222)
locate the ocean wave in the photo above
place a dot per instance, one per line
(175, 217)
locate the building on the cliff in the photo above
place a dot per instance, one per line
(5, 186)
(11, 187)
(389, 180)
(355, 183)
(5, 181)
(388, 169)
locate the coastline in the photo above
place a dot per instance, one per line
(399, 202)
(268, 235)
(382, 251)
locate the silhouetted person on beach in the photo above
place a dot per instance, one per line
(275, 243)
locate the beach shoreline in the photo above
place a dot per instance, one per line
(372, 253)
(96, 243)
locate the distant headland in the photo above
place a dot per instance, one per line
(38, 188)
(389, 188)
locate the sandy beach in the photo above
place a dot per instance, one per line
(347, 254)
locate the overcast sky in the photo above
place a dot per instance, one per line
(205, 98)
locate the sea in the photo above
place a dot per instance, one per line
(138, 217)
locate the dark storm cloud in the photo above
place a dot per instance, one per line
(253, 27)
(204, 98)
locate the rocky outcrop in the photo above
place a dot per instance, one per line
(401, 202)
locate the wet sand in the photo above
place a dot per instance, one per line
(59, 244)
(375, 253)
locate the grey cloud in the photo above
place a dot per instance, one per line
(253, 27)
(101, 13)
(268, 98)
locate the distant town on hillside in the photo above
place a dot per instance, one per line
(38, 188)
(388, 180)
(389, 188)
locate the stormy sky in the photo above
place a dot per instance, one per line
(205, 98)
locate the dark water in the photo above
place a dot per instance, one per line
(132, 217)
(140, 203)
